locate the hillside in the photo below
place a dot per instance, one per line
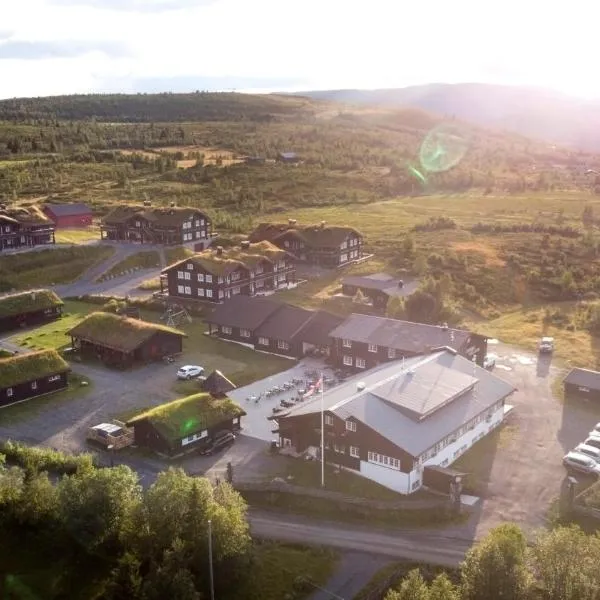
(535, 113)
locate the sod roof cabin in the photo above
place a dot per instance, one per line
(25, 376)
(185, 424)
(29, 308)
(166, 216)
(121, 341)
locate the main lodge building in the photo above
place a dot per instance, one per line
(24, 227)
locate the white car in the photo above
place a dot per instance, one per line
(489, 362)
(546, 345)
(596, 430)
(189, 372)
(590, 451)
(575, 461)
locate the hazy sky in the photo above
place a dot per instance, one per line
(77, 46)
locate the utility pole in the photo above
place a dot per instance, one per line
(210, 560)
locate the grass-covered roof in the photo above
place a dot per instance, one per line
(118, 332)
(22, 368)
(189, 415)
(28, 302)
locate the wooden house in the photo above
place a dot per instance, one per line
(186, 424)
(74, 214)
(29, 308)
(322, 245)
(121, 342)
(147, 225)
(22, 227)
(26, 376)
(220, 274)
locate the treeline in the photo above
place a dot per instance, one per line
(562, 564)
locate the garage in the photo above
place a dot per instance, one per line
(582, 384)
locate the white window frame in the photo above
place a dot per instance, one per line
(34, 385)
(190, 266)
(235, 276)
(53, 378)
(347, 360)
(263, 341)
(346, 343)
(187, 275)
(201, 277)
(188, 290)
(9, 392)
(328, 420)
(221, 294)
(245, 333)
(180, 289)
(209, 279)
(283, 345)
(361, 363)
(226, 330)
(194, 438)
(201, 292)
(180, 274)
(209, 294)
(339, 449)
(373, 348)
(391, 353)
(351, 426)
(235, 291)
(355, 451)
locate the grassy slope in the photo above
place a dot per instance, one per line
(139, 260)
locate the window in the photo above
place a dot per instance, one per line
(354, 451)
(220, 294)
(34, 385)
(180, 274)
(263, 341)
(209, 279)
(235, 291)
(259, 270)
(328, 420)
(583, 389)
(194, 438)
(391, 353)
(201, 221)
(339, 449)
(197, 235)
(235, 276)
(197, 223)
(189, 267)
(188, 289)
(351, 425)
(209, 294)
(360, 363)
(343, 258)
(201, 292)
(343, 245)
(346, 343)
(283, 345)
(138, 224)
(220, 279)
(54, 378)
(385, 461)
(225, 329)
(372, 347)
(347, 361)
(180, 289)
(187, 275)
(245, 333)
(9, 392)
(201, 277)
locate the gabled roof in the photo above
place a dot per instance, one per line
(317, 329)
(22, 368)
(28, 302)
(117, 332)
(243, 311)
(32, 215)
(165, 216)
(216, 383)
(285, 323)
(316, 236)
(232, 258)
(68, 210)
(391, 419)
(400, 335)
(584, 378)
(189, 415)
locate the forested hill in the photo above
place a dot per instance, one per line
(167, 107)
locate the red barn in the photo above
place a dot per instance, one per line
(69, 215)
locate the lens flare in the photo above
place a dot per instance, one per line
(443, 148)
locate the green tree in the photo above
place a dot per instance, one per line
(395, 308)
(496, 567)
(38, 503)
(125, 582)
(421, 307)
(413, 587)
(443, 589)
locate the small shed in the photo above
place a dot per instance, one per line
(69, 215)
(582, 383)
(29, 308)
(115, 435)
(186, 424)
(120, 341)
(217, 385)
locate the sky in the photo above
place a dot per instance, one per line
(52, 47)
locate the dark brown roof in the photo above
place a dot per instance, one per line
(284, 323)
(243, 311)
(216, 383)
(584, 378)
(68, 210)
(312, 235)
(166, 216)
(316, 331)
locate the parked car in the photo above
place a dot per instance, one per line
(220, 441)
(596, 430)
(591, 451)
(189, 372)
(489, 362)
(592, 440)
(546, 345)
(575, 461)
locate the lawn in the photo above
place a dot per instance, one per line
(139, 260)
(177, 253)
(150, 285)
(77, 236)
(49, 267)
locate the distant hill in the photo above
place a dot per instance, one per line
(534, 113)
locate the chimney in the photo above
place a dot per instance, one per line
(219, 250)
(322, 224)
(360, 386)
(172, 205)
(245, 245)
(292, 221)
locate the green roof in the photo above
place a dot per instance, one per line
(28, 302)
(186, 416)
(27, 367)
(117, 332)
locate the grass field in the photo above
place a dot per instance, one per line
(139, 260)
(150, 285)
(77, 236)
(177, 253)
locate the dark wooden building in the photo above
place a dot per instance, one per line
(377, 288)
(279, 333)
(26, 376)
(120, 342)
(147, 225)
(216, 275)
(321, 245)
(400, 418)
(582, 384)
(217, 385)
(186, 424)
(29, 308)
(365, 341)
(69, 215)
(24, 227)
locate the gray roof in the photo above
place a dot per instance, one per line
(284, 323)
(401, 335)
(390, 418)
(584, 377)
(316, 330)
(68, 210)
(243, 311)
(378, 281)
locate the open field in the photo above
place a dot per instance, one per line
(77, 236)
(150, 285)
(139, 260)
(176, 253)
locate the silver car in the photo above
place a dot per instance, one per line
(590, 451)
(576, 461)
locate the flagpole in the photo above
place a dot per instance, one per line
(322, 435)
